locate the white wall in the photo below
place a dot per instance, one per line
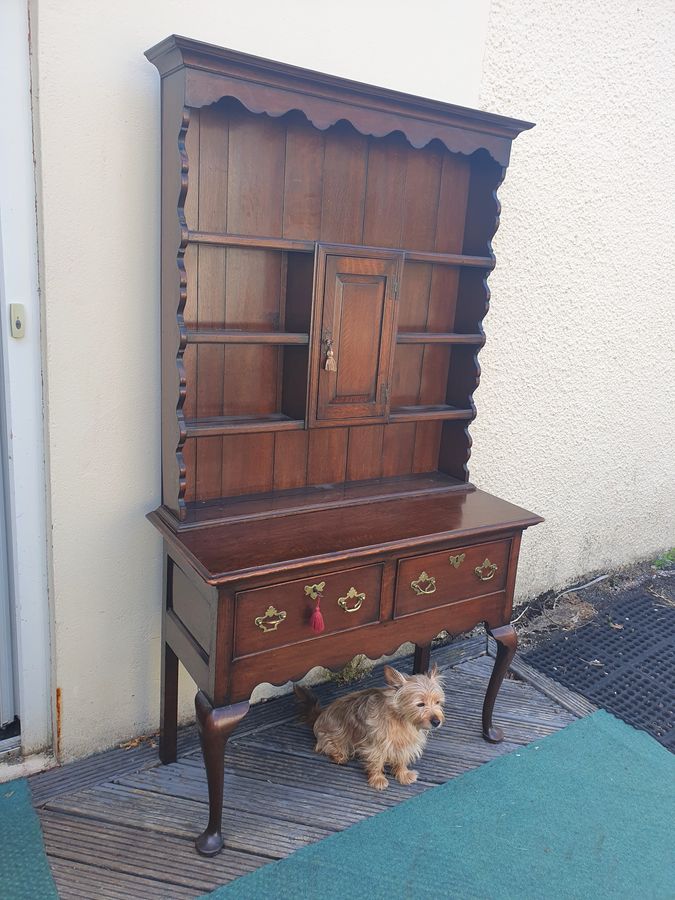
(576, 410)
(97, 108)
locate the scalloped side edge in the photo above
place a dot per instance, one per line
(497, 206)
(180, 319)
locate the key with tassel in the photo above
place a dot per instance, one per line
(330, 364)
(316, 622)
(315, 592)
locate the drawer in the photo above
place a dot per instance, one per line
(279, 614)
(436, 579)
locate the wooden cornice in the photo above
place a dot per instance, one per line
(264, 86)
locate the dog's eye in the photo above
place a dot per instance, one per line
(420, 704)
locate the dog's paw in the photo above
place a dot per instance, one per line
(339, 758)
(407, 776)
(378, 781)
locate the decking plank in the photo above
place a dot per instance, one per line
(100, 767)
(127, 850)
(279, 800)
(78, 881)
(312, 772)
(324, 777)
(119, 826)
(166, 814)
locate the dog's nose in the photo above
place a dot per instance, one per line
(435, 721)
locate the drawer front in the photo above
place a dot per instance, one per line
(436, 579)
(279, 614)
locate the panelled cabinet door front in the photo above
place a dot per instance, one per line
(354, 334)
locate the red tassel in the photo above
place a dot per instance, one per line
(316, 622)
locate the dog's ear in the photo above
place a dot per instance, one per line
(436, 676)
(393, 677)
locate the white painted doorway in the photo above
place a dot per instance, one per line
(24, 598)
(7, 655)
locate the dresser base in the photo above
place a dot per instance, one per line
(240, 598)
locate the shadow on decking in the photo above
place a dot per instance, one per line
(119, 825)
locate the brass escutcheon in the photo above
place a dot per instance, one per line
(272, 618)
(457, 561)
(315, 590)
(487, 570)
(428, 581)
(352, 594)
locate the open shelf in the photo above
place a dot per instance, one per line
(298, 500)
(450, 259)
(421, 413)
(241, 425)
(429, 337)
(275, 243)
(220, 336)
(247, 240)
(279, 422)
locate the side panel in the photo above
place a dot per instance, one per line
(190, 608)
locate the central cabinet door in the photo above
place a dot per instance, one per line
(353, 335)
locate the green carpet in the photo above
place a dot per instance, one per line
(24, 870)
(585, 813)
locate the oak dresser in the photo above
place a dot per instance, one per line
(324, 259)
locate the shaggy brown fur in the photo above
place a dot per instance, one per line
(381, 726)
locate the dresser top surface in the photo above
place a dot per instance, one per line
(237, 550)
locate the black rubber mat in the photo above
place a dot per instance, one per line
(629, 670)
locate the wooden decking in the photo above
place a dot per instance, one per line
(118, 825)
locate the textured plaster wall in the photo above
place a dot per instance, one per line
(576, 410)
(97, 145)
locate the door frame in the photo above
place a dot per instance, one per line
(7, 654)
(22, 398)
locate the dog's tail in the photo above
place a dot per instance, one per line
(308, 704)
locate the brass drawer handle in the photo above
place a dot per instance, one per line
(457, 561)
(315, 590)
(272, 618)
(352, 595)
(425, 584)
(487, 570)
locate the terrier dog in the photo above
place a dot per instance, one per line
(381, 726)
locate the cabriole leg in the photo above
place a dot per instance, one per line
(507, 641)
(215, 725)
